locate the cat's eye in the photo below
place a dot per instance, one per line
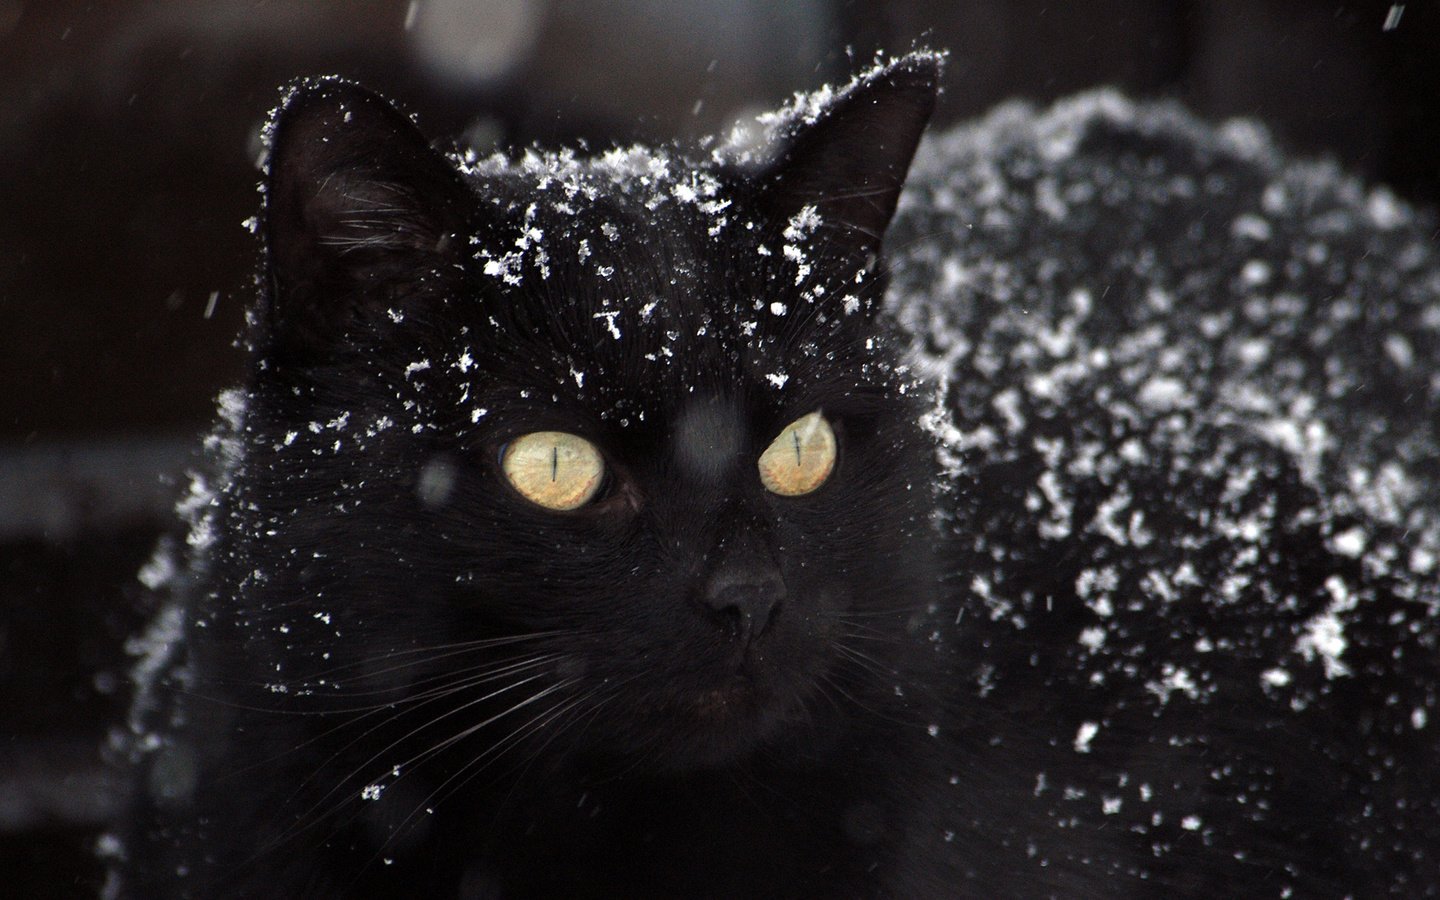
(553, 469)
(800, 459)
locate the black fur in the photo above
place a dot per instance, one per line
(1053, 627)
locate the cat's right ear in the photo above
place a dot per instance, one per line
(847, 155)
(358, 208)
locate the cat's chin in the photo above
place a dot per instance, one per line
(716, 726)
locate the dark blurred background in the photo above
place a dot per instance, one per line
(128, 148)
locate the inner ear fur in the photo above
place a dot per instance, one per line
(352, 190)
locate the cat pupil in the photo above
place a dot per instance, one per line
(531, 463)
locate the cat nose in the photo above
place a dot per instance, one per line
(745, 601)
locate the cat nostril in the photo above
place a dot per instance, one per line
(747, 604)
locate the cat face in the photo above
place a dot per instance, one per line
(633, 422)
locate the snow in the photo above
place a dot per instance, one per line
(506, 267)
(1252, 226)
(748, 146)
(1256, 272)
(1400, 351)
(1276, 677)
(1163, 393)
(609, 319)
(1324, 634)
(160, 570)
(1174, 679)
(1350, 542)
(1262, 376)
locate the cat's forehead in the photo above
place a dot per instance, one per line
(651, 176)
(636, 243)
(624, 208)
(647, 289)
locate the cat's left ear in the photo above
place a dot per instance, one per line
(358, 209)
(849, 157)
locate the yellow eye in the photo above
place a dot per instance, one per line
(800, 459)
(553, 469)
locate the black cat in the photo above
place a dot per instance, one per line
(604, 528)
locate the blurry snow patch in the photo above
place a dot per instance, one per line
(1252, 226)
(195, 508)
(1324, 635)
(470, 42)
(1385, 209)
(1059, 133)
(1350, 542)
(154, 650)
(1400, 351)
(160, 569)
(1423, 561)
(231, 404)
(1307, 440)
(950, 442)
(1255, 272)
(1173, 678)
(436, 483)
(1246, 138)
(1163, 393)
(1276, 677)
